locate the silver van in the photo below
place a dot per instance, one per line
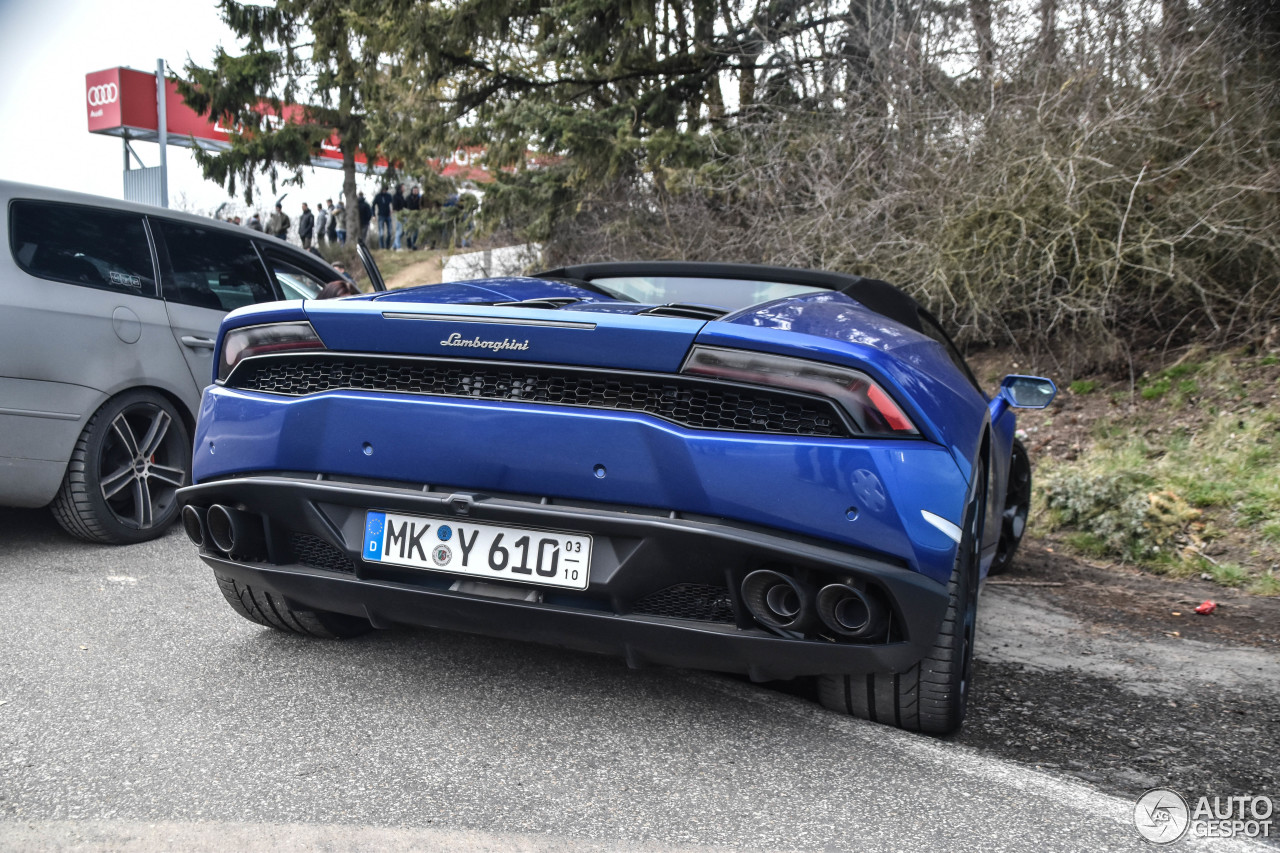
(108, 315)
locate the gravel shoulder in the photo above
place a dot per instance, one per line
(1087, 671)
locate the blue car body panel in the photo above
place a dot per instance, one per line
(914, 369)
(807, 486)
(596, 339)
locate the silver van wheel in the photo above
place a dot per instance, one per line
(122, 481)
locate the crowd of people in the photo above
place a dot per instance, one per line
(327, 223)
(387, 214)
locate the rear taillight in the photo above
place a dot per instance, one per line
(269, 339)
(871, 408)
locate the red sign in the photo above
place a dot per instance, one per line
(102, 99)
(122, 102)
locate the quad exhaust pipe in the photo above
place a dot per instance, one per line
(236, 533)
(778, 601)
(783, 603)
(193, 522)
(850, 612)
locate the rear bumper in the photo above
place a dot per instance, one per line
(641, 559)
(868, 495)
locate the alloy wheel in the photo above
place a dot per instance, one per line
(142, 465)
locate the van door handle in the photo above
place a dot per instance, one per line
(197, 343)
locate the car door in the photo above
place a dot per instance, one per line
(296, 275)
(80, 318)
(370, 267)
(206, 272)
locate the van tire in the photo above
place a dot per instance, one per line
(121, 484)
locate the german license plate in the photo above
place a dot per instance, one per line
(494, 551)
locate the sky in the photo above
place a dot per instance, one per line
(47, 47)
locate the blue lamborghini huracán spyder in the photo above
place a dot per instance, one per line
(776, 472)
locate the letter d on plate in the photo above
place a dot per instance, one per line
(375, 526)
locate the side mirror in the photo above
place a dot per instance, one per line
(1028, 392)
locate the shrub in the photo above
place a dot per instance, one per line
(1120, 514)
(1084, 386)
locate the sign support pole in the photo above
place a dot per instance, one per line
(163, 129)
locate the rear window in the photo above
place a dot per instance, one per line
(210, 268)
(729, 293)
(88, 246)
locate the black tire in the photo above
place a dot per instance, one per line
(127, 466)
(269, 610)
(1017, 506)
(933, 694)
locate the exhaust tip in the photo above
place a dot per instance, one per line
(849, 611)
(221, 528)
(238, 534)
(784, 600)
(193, 524)
(776, 601)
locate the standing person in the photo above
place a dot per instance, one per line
(366, 216)
(382, 207)
(413, 203)
(306, 226)
(278, 224)
(255, 221)
(322, 222)
(397, 208)
(338, 222)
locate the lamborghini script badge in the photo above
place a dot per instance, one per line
(457, 340)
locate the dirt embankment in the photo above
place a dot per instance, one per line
(1193, 437)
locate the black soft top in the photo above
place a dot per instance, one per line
(879, 296)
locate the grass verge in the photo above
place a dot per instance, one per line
(1178, 473)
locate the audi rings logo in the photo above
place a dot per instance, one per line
(102, 95)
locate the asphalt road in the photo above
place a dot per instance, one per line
(137, 711)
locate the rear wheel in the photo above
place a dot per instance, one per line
(270, 610)
(127, 466)
(932, 695)
(1017, 506)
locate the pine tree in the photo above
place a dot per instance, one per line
(321, 54)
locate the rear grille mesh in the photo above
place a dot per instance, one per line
(318, 554)
(689, 401)
(688, 601)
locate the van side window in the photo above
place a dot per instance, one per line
(209, 268)
(82, 245)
